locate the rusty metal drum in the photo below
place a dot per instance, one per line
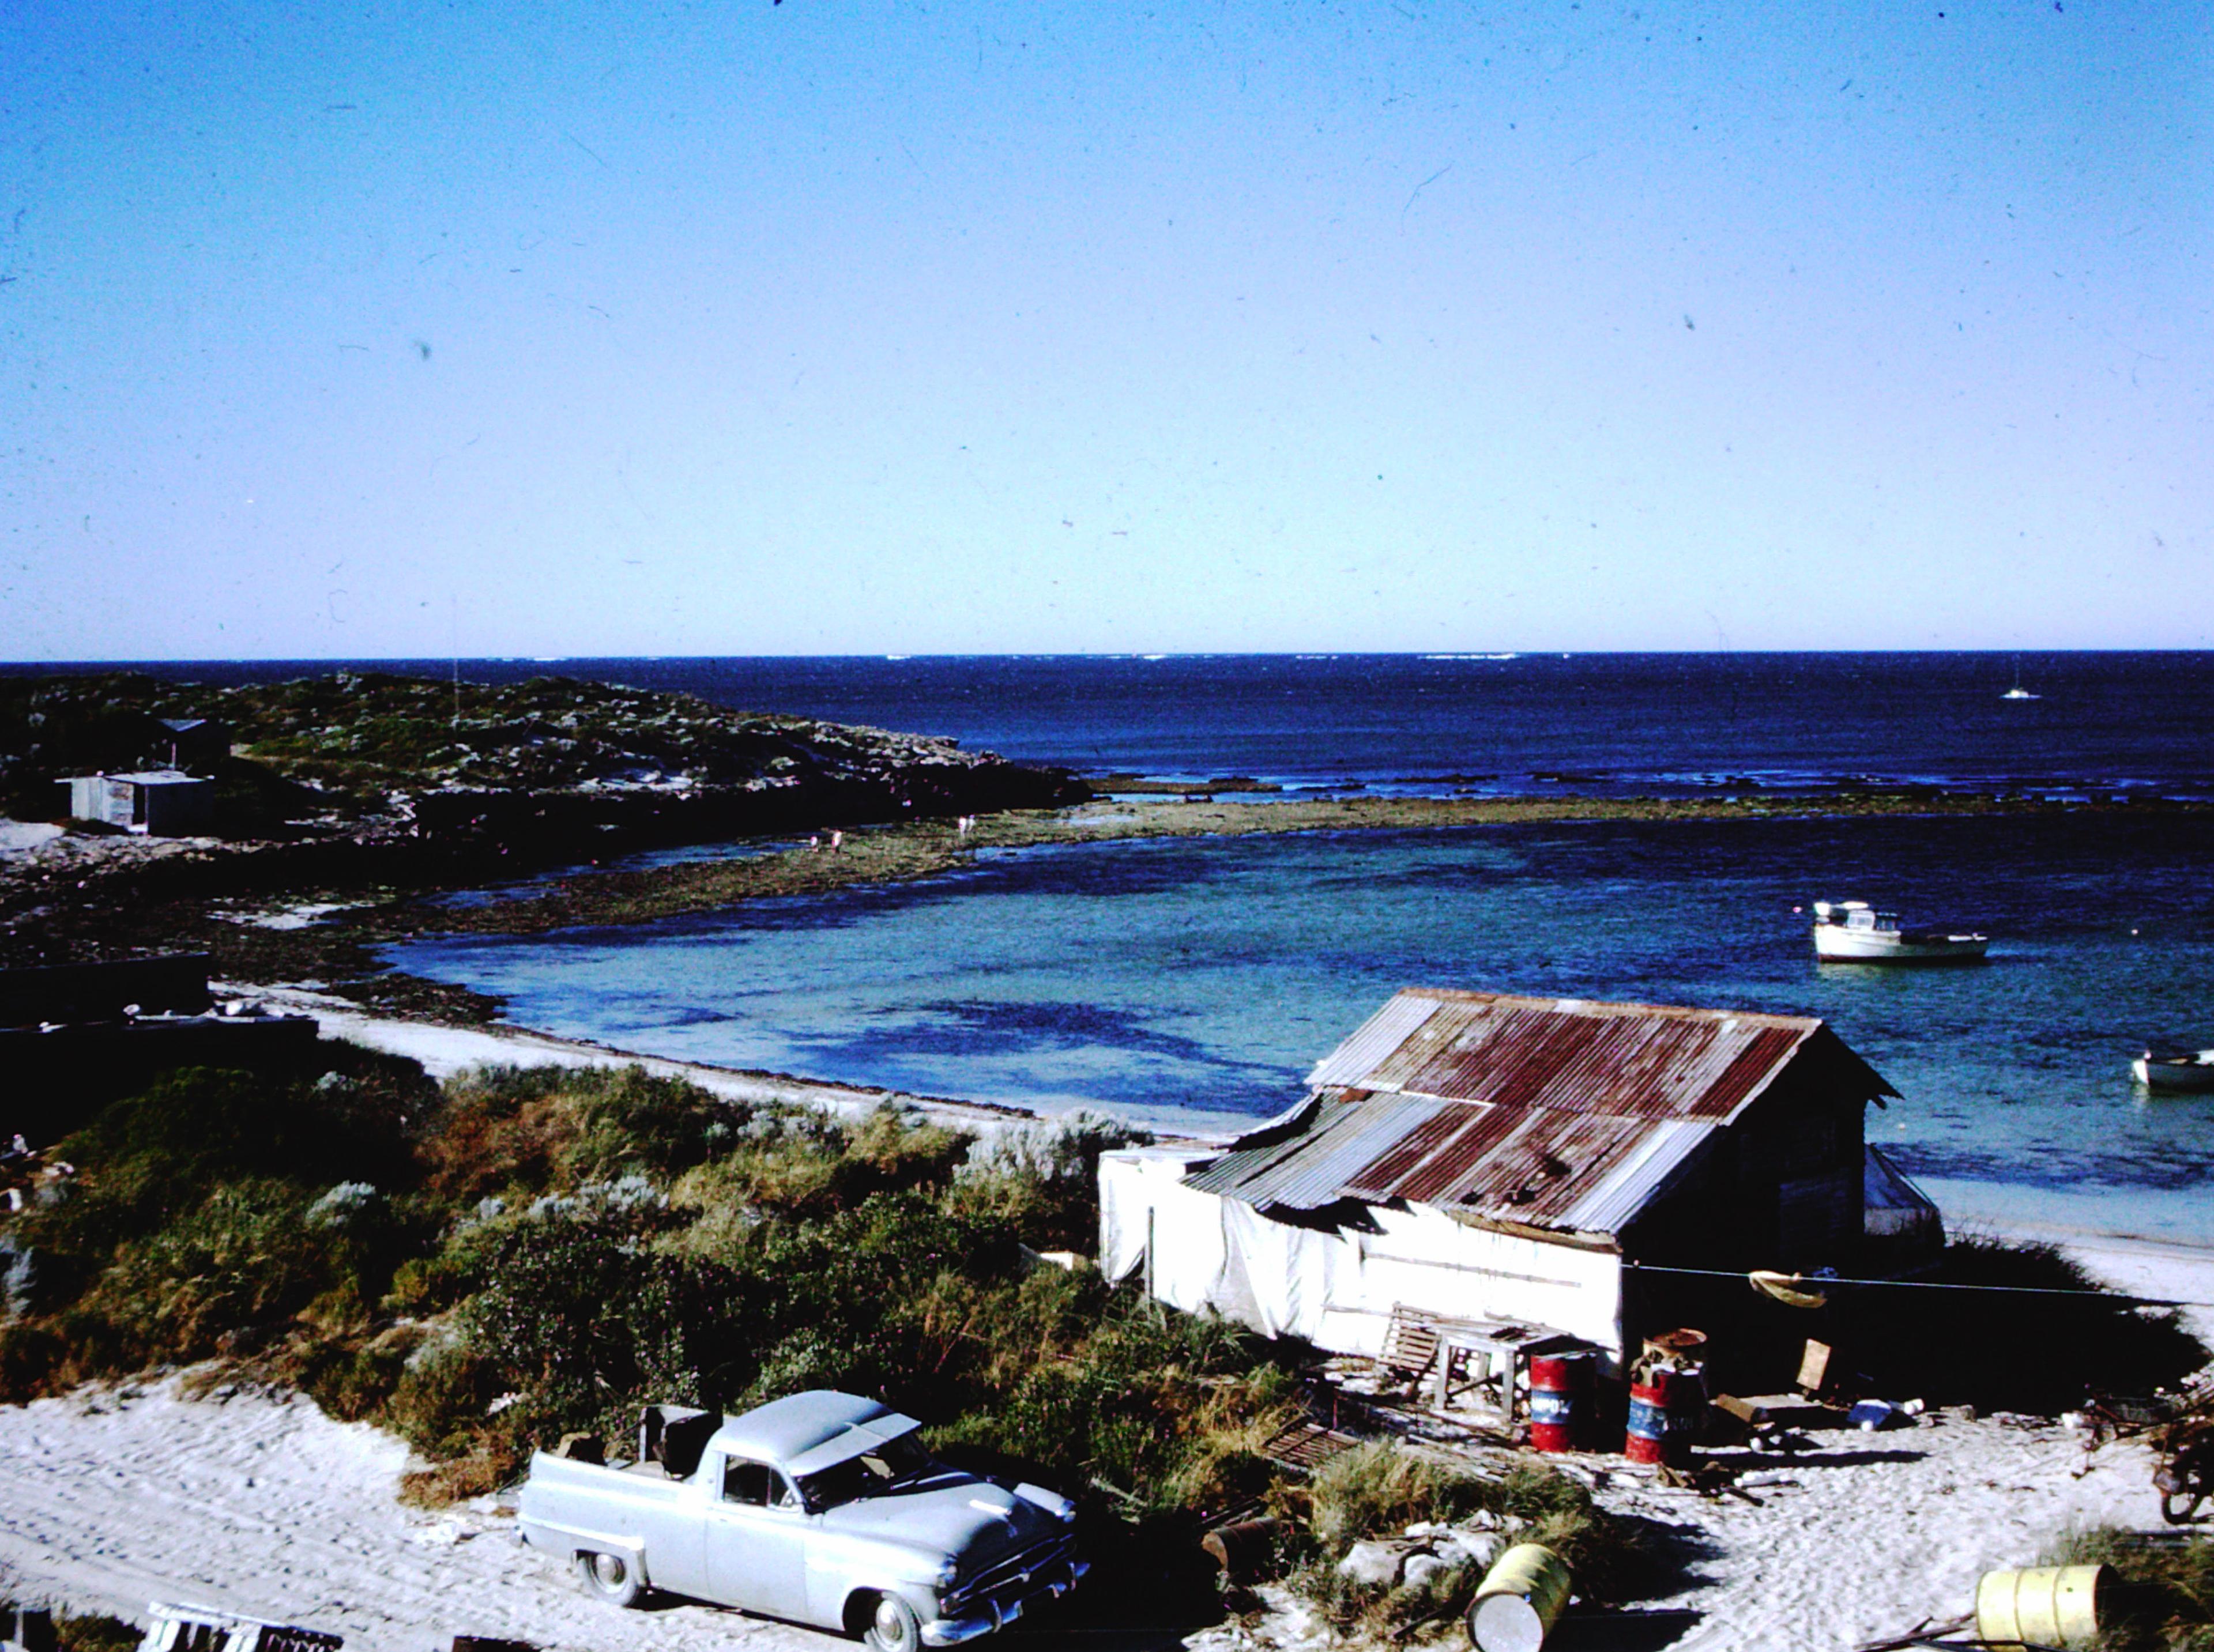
(1667, 1408)
(1564, 1398)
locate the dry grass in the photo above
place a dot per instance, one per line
(483, 1471)
(1380, 1490)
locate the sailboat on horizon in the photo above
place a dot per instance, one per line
(2018, 693)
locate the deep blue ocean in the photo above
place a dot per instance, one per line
(1198, 980)
(1584, 722)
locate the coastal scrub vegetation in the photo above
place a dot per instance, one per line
(490, 1263)
(2032, 1332)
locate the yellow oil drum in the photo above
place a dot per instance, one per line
(2040, 1606)
(1519, 1600)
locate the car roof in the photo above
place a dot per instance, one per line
(807, 1432)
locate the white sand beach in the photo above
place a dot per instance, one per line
(445, 1051)
(1877, 1532)
(261, 1505)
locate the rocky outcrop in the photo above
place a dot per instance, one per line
(549, 767)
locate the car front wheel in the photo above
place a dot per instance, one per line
(610, 1578)
(893, 1626)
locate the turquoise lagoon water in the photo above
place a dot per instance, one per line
(1195, 982)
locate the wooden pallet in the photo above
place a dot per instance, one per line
(1305, 1446)
(1411, 1342)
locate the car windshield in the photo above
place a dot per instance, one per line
(868, 1475)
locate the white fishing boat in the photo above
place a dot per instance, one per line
(2189, 1073)
(1854, 932)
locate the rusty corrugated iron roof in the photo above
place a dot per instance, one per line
(1647, 1061)
(1541, 1111)
(1375, 1039)
(1310, 1168)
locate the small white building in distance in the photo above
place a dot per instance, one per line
(1471, 1155)
(162, 802)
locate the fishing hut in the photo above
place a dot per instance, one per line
(1477, 1157)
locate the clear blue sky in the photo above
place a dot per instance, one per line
(835, 325)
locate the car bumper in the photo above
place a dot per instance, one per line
(951, 1631)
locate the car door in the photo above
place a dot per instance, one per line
(757, 1534)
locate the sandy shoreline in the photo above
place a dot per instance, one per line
(117, 1497)
(445, 1051)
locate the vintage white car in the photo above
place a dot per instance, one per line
(820, 1507)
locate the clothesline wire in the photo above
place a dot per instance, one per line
(1819, 1282)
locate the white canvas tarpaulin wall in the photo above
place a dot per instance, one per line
(1141, 1195)
(1424, 1259)
(1333, 1287)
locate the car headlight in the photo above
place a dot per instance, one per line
(948, 1575)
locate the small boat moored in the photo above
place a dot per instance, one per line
(2190, 1073)
(1854, 932)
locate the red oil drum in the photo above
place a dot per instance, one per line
(1563, 1396)
(1668, 1408)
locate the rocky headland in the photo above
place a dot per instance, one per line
(354, 791)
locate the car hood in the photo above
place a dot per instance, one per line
(971, 1519)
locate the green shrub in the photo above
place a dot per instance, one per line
(810, 1169)
(151, 1159)
(586, 1123)
(1043, 1180)
(350, 1380)
(243, 1259)
(1383, 1488)
(503, 1131)
(30, 1355)
(1166, 1408)
(444, 1396)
